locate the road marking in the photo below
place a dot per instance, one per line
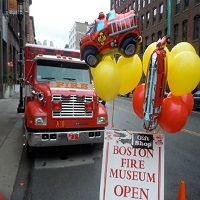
(120, 108)
(191, 132)
(128, 111)
(184, 130)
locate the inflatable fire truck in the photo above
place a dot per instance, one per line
(111, 34)
(61, 105)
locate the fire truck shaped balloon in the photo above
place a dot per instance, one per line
(155, 86)
(111, 34)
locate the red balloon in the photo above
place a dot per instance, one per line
(189, 102)
(138, 100)
(187, 99)
(173, 116)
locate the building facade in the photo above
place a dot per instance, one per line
(76, 33)
(10, 41)
(178, 19)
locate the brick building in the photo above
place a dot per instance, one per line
(9, 39)
(180, 19)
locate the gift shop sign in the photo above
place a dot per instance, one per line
(130, 172)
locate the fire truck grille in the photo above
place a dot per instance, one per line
(72, 106)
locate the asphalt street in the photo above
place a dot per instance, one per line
(11, 136)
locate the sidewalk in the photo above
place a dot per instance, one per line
(11, 142)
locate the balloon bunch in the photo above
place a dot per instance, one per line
(112, 78)
(183, 76)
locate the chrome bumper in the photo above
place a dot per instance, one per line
(43, 139)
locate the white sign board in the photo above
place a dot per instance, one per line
(132, 173)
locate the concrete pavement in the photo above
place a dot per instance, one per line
(11, 142)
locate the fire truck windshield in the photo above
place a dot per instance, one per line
(48, 70)
(111, 15)
(100, 25)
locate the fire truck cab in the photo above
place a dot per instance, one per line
(61, 105)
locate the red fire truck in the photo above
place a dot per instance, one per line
(61, 105)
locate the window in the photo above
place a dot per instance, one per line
(111, 15)
(113, 6)
(138, 5)
(184, 31)
(175, 34)
(100, 25)
(197, 1)
(196, 27)
(153, 37)
(148, 1)
(62, 71)
(154, 16)
(129, 7)
(147, 20)
(142, 22)
(146, 42)
(121, 2)
(5, 6)
(159, 35)
(160, 12)
(141, 48)
(143, 3)
(133, 5)
(177, 7)
(186, 4)
(166, 33)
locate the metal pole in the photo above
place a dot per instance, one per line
(20, 108)
(169, 15)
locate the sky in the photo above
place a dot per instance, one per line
(53, 19)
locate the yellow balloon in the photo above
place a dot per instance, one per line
(199, 73)
(92, 69)
(167, 51)
(130, 73)
(183, 76)
(180, 47)
(147, 55)
(108, 57)
(107, 80)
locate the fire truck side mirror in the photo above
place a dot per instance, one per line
(29, 81)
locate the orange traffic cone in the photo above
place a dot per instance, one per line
(182, 193)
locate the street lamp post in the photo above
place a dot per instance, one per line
(20, 108)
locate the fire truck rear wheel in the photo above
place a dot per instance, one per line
(91, 57)
(128, 47)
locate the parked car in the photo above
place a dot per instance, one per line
(196, 97)
(111, 34)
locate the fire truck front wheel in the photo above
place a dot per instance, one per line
(91, 57)
(128, 47)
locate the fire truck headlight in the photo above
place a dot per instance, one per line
(41, 121)
(101, 120)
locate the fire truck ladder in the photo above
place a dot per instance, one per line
(122, 25)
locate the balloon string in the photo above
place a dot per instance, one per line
(113, 115)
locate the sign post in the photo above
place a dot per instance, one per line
(132, 166)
